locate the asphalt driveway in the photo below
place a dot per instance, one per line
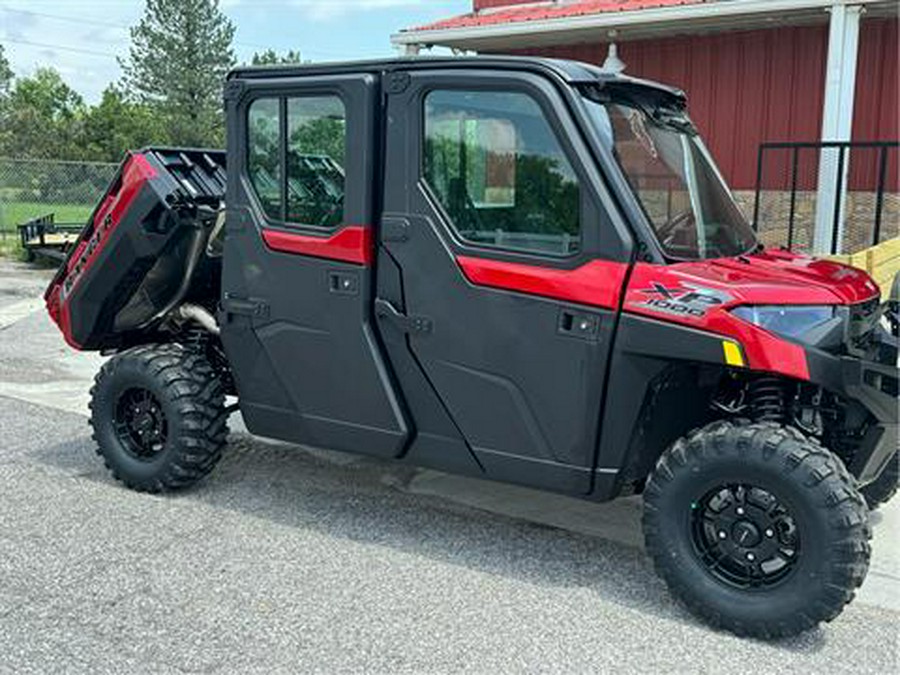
(293, 559)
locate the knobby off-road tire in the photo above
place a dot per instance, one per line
(158, 416)
(819, 525)
(885, 487)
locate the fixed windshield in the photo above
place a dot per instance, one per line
(676, 182)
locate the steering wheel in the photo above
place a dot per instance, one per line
(667, 228)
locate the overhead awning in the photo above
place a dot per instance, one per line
(577, 21)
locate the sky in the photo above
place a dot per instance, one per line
(81, 38)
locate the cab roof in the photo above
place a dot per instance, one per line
(568, 71)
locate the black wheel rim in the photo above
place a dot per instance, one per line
(745, 537)
(140, 423)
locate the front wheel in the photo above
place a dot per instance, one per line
(756, 528)
(158, 414)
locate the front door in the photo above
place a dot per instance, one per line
(499, 274)
(298, 265)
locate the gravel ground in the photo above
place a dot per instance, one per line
(289, 559)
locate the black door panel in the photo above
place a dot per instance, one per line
(317, 374)
(511, 381)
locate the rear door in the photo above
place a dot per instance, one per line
(298, 280)
(500, 266)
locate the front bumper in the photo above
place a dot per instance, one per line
(874, 385)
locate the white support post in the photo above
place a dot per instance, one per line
(837, 124)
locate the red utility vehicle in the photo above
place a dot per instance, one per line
(519, 269)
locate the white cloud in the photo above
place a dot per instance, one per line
(325, 10)
(80, 39)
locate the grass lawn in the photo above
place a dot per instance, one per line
(14, 213)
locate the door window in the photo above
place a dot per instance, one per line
(498, 170)
(263, 153)
(312, 194)
(317, 139)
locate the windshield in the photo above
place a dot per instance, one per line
(676, 182)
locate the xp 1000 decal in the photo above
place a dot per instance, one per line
(682, 300)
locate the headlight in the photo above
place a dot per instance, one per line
(791, 321)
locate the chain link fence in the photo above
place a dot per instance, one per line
(836, 197)
(30, 188)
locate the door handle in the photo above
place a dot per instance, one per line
(579, 324)
(385, 311)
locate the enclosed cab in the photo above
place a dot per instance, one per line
(519, 269)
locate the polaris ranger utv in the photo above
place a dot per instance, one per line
(523, 270)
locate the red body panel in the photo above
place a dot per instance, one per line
(135, 173)
(351, 244)
(770, 278)
(597, 283)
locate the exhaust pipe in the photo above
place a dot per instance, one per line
(199, 315)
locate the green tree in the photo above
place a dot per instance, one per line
(180, 54)
(270, 58)
(116, 124)
(42, 117)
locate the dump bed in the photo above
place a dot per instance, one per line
(140, 248)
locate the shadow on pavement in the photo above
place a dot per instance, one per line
(365, 501)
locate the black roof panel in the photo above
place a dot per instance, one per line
(571, 72)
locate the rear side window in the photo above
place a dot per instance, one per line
(495, 164)
(304, 185)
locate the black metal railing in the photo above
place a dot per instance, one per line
(787, 193)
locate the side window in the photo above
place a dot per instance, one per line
(316, 143)
(263, 152)
(494, 163)
(317, 148)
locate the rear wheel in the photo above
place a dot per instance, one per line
(885, 487)
(158, 414)
(757, 529)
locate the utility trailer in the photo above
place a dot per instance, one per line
(43, 237)
(519, 269)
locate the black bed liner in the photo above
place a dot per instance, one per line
(135, 253)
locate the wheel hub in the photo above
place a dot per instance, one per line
(140, 423)
(744, 536)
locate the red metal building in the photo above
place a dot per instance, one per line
(755, 71)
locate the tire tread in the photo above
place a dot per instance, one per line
(817, 470)
(198, 398)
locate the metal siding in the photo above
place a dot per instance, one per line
(744, 88)
(876, 115)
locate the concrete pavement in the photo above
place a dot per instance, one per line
(295, 559)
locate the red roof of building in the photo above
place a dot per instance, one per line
(541, 11)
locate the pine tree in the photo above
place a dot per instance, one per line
(180, 54)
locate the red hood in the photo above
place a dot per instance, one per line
(780, 278)
(700, 294)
